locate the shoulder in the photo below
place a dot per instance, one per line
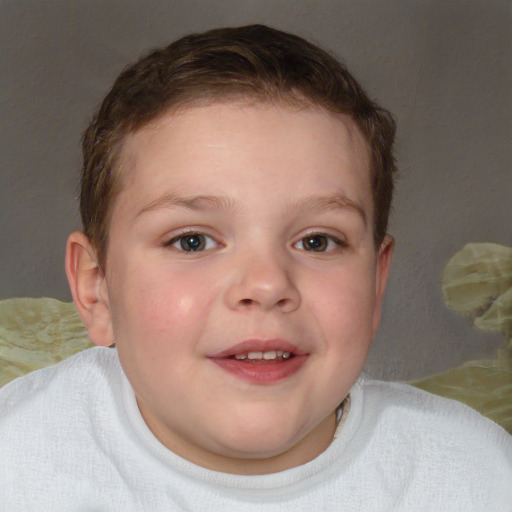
(46, 389)
(394, 403)
(417, 403)
(422, 447)
(56, 425)
(441, 439)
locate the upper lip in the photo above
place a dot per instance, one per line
(259, 345)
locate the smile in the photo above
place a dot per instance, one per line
(272, 356)
(261, 362)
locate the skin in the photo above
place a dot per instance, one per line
(254, 182)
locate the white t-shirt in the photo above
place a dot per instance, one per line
(72, 438)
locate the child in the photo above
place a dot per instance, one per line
(235, 194)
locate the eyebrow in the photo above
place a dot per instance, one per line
(331, 203)
(320, 203)
(202, 202)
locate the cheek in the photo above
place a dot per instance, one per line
(157, 320)
(159, 303)
(343, 304)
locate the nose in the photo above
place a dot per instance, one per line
(264, 282)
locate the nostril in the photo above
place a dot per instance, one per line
(246, 302)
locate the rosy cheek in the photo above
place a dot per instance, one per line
(171, 305)
(185, 304)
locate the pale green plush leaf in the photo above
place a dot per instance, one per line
(37, 332)
(499, 316)
(484, 385)
(478, 280)
(476, 275)
(9, 372)
(26, 357)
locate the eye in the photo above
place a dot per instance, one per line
(319, 243)
(192, 242)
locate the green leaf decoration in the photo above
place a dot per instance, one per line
(475, 276)
(37, 332)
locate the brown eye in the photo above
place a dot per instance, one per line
(316, 243)
(319, 242)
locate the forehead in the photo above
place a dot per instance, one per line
(224, 145)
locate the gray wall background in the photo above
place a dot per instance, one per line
(442, 66)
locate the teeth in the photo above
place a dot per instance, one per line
(268, 356)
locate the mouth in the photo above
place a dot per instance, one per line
(261, 362)
(270, 356)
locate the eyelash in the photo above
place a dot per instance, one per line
(181, 239)
(324, 242)
(327, 239)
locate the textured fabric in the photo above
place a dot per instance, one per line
(72, 438)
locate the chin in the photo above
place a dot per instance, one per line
(263, 451)
(259, 443)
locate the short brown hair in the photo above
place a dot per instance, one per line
(254, 62)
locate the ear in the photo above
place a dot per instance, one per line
(383, 265)
(89, 288)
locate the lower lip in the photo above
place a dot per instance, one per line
(262, 373)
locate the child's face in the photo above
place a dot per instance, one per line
(244, 231)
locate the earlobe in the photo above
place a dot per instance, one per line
(384, 257)
(88, 288)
